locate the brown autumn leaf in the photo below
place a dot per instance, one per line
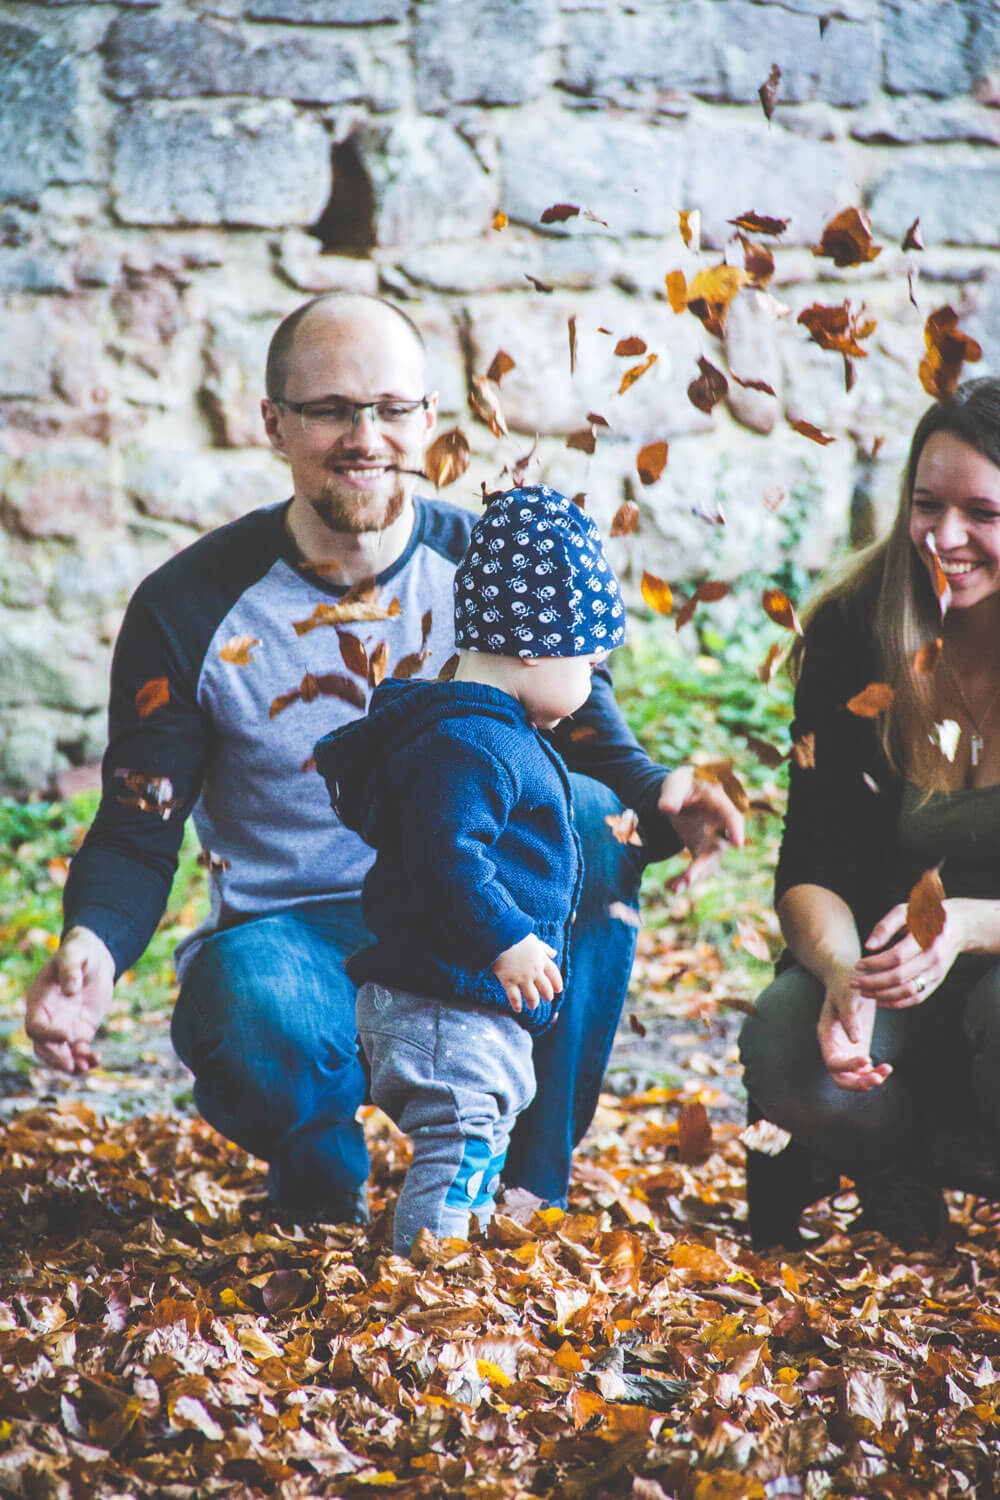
(335, 685)
(596, 420)
(447, 458)
(721, 773)
(676, 284)
(559, 213)
(625, 826)
(584, 439)
(631, 347)
(353, 653)
(580, 499)
(871, 701)
(925, 911)
(710, 293)
(758, 261)
(910, 284)
(426, 621)
(765, 1136)
(926, 659)
(377, 663)
(847, 239)
(500, 219)
(309, 688)
(540, 286)
(500, 365)
(519, 468)
(769, 755)
(708, 592)
(911, 239)
(571, 332)
(635, 1024)
(152, 695)
(779, 608)
(753, 942)
(147, 793)
(636, 372)
(214, 863)
(582, 732)
(283, 701)
(625, 519)
(768, 91)
(755, 223)
(689, 223)
(657, 594)
(694, 1134)
(709, 388)
(347, 612)
(814, 434)
(754, 385)
(948, 348)
(772, 661)
(365, 591)
(449, 669)
(408, 665)
(238, 649)
(774, 498)
(484, 403)
(804, 751)
(651, 461)
(838, 328)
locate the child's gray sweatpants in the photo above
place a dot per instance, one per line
(454, 1078)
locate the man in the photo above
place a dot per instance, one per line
(230, 665)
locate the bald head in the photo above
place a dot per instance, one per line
(352, 316)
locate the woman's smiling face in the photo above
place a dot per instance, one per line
(956, 497)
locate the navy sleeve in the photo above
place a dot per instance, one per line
(597, 742)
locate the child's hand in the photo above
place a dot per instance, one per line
(527, 973)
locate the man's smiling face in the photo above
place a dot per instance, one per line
(352, 474)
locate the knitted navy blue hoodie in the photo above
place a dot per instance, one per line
(470, 812)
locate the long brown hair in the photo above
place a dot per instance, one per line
(890, 583)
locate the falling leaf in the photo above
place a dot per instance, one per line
(238, 648)
(346, 613)
(804, 751)
(710, 387)
(926, 659)
(758, 261)
(721, 773)
(449, 669)
(214, 863)
(872, 700)
(768, 91)
(651, 461)
(752, 942)
(623, 913)
(814, 434)
(625, 826)
(710, 294)
(694, 1134)
(625, 519)
(755, 223)
(582, 732)
(706, 593)
(910, 283)
(676, 284)
(559, 213)
(942, 588)
(500, 220)
(778, 607)
(447, 458)
(838, 328)
(871, 783)
(754, 385)
(774, 498)
(585, 439)
(635, 1024)
(579, 499)
(946, 735)
(540, 286)
(426, 622)
(484, 403)
(766, 1137)
(571, 330)
(353, 653)
(329, 685)
(911, 239)
(309, 764)
(657, 594)
(847, 239)
(775, 656)
(925, 910)
(631, 376)
(519, 468)
(769, 755)
(152, 695)
(716, 517)
(377, 664)
(588, 214)
(597, 420)
(633, 346)
(146, 792)
(500, 365)
(408, 665)
(948, 348)
(689, 221)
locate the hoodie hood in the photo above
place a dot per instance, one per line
(351, 759)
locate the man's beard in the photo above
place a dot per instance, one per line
(359, 511)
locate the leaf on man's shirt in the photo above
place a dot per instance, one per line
(345, 613)
(353, 652)
(146, 792)
(377, 662)
(238, 650)
(409, 665)
(449, 669)
(152, 695)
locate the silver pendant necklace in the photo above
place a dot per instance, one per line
(977, 740)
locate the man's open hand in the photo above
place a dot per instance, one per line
(704, 820)
(69, 998)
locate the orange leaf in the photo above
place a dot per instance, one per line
(779, 607)
(238, 648)
(871, 701)
(925, 913)
(847, 239)
(837, 327)
(484, 403)
(500, 365)
(500, 220)
(657, 594)
(814, 433)
(804, 752)
(631, 376)
(585, 438)
(947, 350)
(722, 774)
(625, 826)
(625, 519)
(632, 346)
(152, 695)
(711, 292)
(447, 458)
(353, 652)
(758, 261)
(636, 1025)
(559, 213)
(694, 1134)
(376, 664)
(689, 223)
(283, 701)
(676, 284)
(652, 460)
(926, 659)
(773, 659)
(347, 612)
(754, 385)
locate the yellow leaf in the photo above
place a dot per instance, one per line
(493, 1373)
(657, 594)
(631, 376)
(500, 220)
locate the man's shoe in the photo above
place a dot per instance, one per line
(904, 1207)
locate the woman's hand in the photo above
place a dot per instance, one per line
(906, 974)
(845, 1028)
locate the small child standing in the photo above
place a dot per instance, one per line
(478, 866)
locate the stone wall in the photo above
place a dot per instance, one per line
(176, 177)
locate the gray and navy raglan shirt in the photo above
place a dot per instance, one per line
(224, 677)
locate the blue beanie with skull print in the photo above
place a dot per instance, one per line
(534, 580)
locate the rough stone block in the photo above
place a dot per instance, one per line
(61, 489)
(302, 263)
(927, 47)
(43, 661)
(191, 166)
(149, 316)
(44, 135)
(501, 263)
(202, 489)
(752, 352)
(627, 173)
(235, 356)
(490, 53)
(956, 204)
(426, 181)
(34, 269)
(908, 121)
(328, 12)
(50, 346)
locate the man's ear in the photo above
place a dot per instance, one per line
(272, 424)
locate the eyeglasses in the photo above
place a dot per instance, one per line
(334, 413)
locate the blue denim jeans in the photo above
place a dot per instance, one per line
(265, 1020)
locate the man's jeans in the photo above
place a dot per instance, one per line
(266, 1022)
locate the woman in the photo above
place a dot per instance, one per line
(866, 1046)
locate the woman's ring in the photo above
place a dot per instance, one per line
(919, 985)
